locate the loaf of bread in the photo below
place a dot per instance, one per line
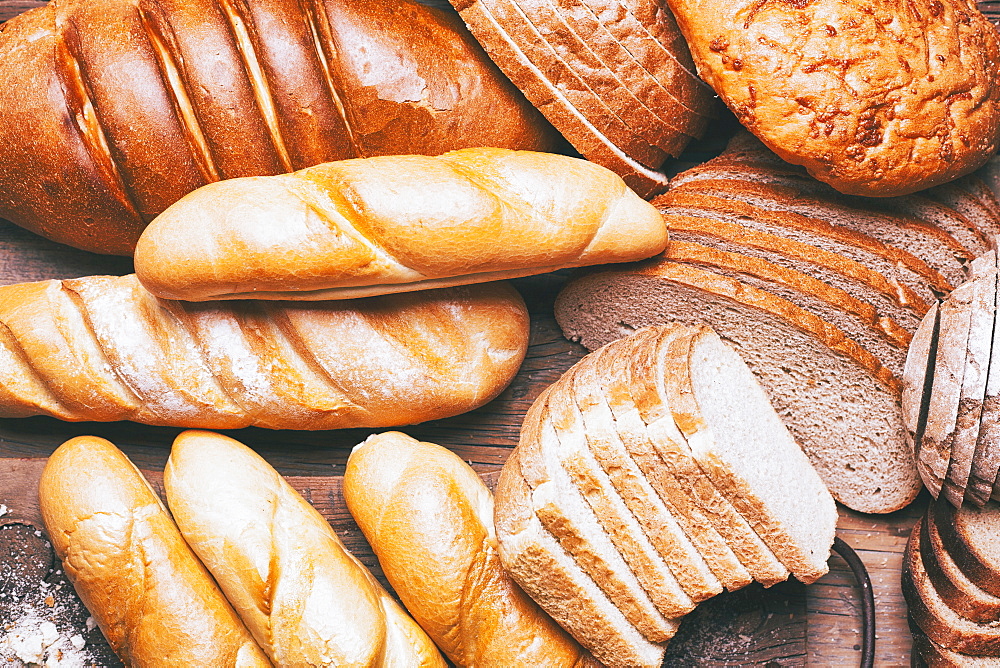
(115, 109)
(306, 599)
(152, 598)
(429, 520)
(875, 101)
(357, 228)
(101, 348)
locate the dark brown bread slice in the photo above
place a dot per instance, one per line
(955, 589)
(554, 104)
(942, 624)
(839, 402)
(928, 653)
(972, 538)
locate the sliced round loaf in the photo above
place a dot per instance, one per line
(972, 538)
(956, 590)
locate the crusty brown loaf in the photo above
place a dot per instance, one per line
(429, 519)
(152, 598)
(875, 100)
(358, 228)
(115, 109)
(102, 348)
(306, 599)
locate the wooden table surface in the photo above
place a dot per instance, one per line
(828, 613)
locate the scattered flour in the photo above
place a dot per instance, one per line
(37, 642)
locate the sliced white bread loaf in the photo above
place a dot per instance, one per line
(972, 539)
(956, 590)
(839, 402)
(553, 579)
(743, 446)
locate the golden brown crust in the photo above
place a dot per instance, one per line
(820, 82)
(152, 598)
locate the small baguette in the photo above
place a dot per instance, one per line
(306, 599)
(429, 519)
(152, 598)
(366, 227)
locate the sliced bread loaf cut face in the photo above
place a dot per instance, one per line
(986, 459)
(918, 376)
(615, 371)
(942, 624)
(617, 480)
(976, 211)
(565, 514)
(657, 407)
(972, 538)
(840, 404)
(974, 379)
(928, 653)
(743, 446)
(956, 590)
(552, 578)
(934, 449)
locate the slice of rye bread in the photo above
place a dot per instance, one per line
(588, 139)
(618, 477)
(928, 653)
(614, 370)
(935, 246)
(650, 373)
(839, 402)
(976, 185)
(610, 86)
(934, 449)
(973, 394)
(581, 471)
(918, 377)
(967, 203)
(605, 114)
(971, 537)
(658, 23)
(986, 458)
(948, 219)
(891, 262)
(565, 514)
(741, 443)
(941, 624)
(956, 590)
(889, 298)
(545, 572)
(879, 335)
(661, 101)
(665, 63)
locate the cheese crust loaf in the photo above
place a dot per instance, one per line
(357, 228)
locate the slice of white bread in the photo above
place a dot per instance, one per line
(956, 590)
(743, 446)
(553, 579)
(840, 403)
(972, 539)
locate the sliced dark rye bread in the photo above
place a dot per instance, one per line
(972, 538)
(617, 385)
(660, 99)
(974, 380)
(553, 103)
(610, 86)
(552, 578)
(942, 624)
(617, 476)
(934, 449)
(604, 114)
(986, 459)
(973, 205)
(929, 654)
(935, 246)
(948, 219)
(889, 298)
(651, 370)
(893, 263)
(882, 337)
(839, 402)
(956, 590)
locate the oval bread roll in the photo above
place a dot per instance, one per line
(152, 598)
(429, 519)
(306, 599)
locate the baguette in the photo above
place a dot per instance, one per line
(306, 599)
(152, 598)
(101, 348)
(365, 227)
(429, 520)
(117, 108)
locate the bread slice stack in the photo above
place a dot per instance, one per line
(651, 476)
(951, 582)
(819, 292)
(951, 406)
(613, 76)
